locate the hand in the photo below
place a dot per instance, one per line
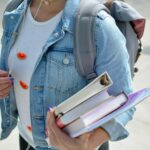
(5, 84)
(60, 140)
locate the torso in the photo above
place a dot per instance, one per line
(22, 59)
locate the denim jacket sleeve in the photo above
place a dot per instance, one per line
(112, 56)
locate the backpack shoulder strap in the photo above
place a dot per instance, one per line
(85, 48)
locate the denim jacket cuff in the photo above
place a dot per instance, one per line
(115, 130)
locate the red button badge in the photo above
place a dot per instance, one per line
(29, 128)
(23, 85)
(21, 55)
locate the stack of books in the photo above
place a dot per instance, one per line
(92, 106)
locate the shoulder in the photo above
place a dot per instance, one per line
(104, 17)
(107, 30)
(105, 23)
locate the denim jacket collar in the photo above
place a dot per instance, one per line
(67, 17)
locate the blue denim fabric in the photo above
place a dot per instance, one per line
(54, 81)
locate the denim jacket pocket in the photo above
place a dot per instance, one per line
(62, 78)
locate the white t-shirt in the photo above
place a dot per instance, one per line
(22, 59)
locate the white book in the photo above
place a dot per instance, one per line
(82, 108)
(102, 82)
(97, 113)
(133, 100)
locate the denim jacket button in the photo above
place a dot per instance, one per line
(64, 28)
(66, 61)
(11, 17)
(56, 34)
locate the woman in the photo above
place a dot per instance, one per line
(38, 72)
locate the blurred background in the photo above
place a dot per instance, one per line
(139, 128)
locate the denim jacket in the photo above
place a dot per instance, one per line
(53, 81)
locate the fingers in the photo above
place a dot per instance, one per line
(4, 92)
(52, 124)
(61, 138)
(5, 84)
(3, 73)
(51, 135)
(5, 80)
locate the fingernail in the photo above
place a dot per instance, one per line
(11, 78)
(50, 109)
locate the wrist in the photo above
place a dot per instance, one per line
(98, 137)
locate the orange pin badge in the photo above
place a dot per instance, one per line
(21, 55)
(23, 85)
(29, 128)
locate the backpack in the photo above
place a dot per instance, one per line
(128, 20)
